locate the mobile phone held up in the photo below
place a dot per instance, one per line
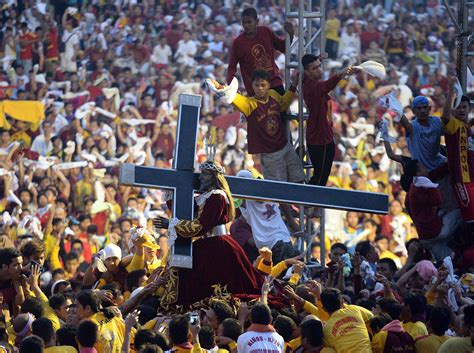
(193, 318)
(34, 263)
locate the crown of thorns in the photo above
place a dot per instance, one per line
(212, 166)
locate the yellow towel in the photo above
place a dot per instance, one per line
(29, 111)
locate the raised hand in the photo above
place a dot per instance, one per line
(289, 292)
(298, 267)
(132, 319)
(105, 295)
(352, 70)
(195, 328)
(266, 253)
(267, 284)
(35, 273)
(451, 82)
(383, 280)
(314, 287)
(356, 260)
(161, 222)
(293, 260)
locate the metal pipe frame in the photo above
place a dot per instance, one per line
(304, 42)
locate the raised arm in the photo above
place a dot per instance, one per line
(244, 105)
(449, 101)
(406, 125)
(394, 157)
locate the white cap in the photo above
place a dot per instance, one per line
(109, 251)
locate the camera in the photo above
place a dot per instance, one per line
(193, 318)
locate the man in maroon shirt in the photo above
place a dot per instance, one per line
(10, 275)
(163, 88)
(423, 200)
(255, 50)
(319, 131)
(368, 35)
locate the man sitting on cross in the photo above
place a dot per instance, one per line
(218, 259)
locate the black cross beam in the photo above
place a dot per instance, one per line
(184, 182)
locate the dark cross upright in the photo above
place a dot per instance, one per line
(184, 182)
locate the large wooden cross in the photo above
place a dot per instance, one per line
(184, 182)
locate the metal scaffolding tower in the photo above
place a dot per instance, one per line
(310, 36)
(464, 39)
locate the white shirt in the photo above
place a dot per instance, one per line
(40, 145)
(267, 225)
(70, 39)
(185, 52)
(216, 46)
(349, 44)
(259, 342)
(161, 55)
(60, 122)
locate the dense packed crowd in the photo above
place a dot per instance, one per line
(86, 86)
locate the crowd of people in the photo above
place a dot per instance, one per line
(87, 86)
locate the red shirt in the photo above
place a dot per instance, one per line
(86, 252)
(148, 113)
(423, 204)
(266, 132)
(316, 97)
(58, 75)
(52, 51)
(255, 53)
(173, 37)
(367, 37)
(386, 228)
(162, 94)
(26, 51)
(166, 144)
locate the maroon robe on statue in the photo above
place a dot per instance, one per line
(217, 260)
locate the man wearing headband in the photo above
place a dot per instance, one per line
(460, 157)
(217, 258)
(423, 135)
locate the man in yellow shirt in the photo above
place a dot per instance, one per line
(43, 327)
(111, 328)
(438, 323)
(413, 314)
(346, 330)
(333, 26)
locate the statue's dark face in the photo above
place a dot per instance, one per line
(207, 180)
